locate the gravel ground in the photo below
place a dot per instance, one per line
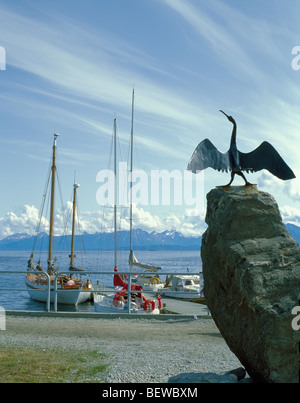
(137, 350)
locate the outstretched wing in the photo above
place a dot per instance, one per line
(266, 157)
(207, 155)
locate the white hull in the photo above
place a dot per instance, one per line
(104, 304)
(182, 295)
(187, 287)
(153, 288)
(67, 297)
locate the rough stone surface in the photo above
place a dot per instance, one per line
(251, 269)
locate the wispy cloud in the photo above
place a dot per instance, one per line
(252, 49)
(94, 69)
(222, 41)
(97, 72)
(70, 76)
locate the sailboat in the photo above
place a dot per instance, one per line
(146, 279)
(70, 290)
(118, 300)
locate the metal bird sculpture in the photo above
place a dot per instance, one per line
(263, 157)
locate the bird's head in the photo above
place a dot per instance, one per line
(230, 118)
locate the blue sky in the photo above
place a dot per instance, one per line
(71, 66)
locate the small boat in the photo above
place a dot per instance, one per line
(36, 286)
(149, 279)
(71, 290)
(105, 304)
(186, 287)
(117, 301)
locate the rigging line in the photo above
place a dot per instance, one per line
(121, 191)
(37, 230)
(47, 198)
(68, 219)
(111, 150)
(81, 242)
(79, 235)
(65, 221)
(100, 243)
(119, 145)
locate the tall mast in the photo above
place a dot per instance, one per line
(115, 190)
(53, 173)
(131, 169)
(72, 255)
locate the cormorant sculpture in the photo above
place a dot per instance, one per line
(263, 157)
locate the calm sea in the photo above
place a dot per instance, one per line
(169, 261)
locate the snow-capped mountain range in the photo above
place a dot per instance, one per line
(142, 240)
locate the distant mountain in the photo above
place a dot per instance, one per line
(142, 240)
(17, 237)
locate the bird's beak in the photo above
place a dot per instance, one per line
(224, 113)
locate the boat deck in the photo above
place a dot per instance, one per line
(180, 307)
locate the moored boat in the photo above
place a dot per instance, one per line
(187, 287)
(70, 290)
(117, 301)
(149, 278)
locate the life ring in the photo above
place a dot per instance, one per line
(149, 305)
(154, 280)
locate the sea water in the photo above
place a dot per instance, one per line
(169, 261)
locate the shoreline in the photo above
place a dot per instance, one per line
(137, 349)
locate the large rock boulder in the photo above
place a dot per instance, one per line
(251, 269)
